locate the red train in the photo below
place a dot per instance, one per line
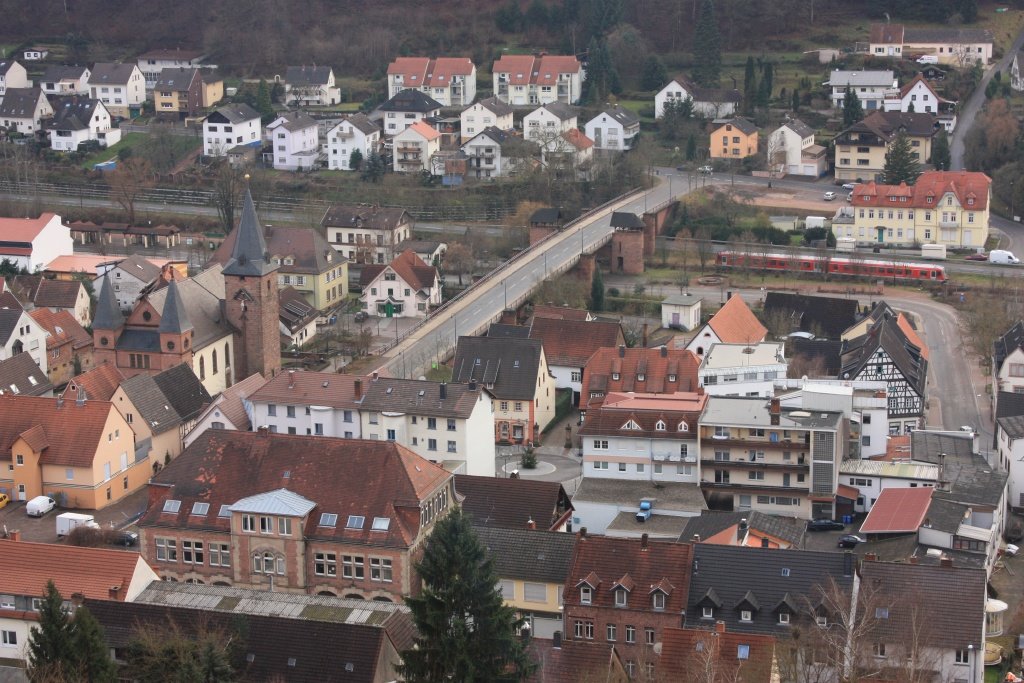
(836, 265)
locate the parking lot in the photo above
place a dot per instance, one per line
(121, 514)
(829, 540)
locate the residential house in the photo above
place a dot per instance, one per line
(367, 233)
(708, 103)
(532, 566)
(569, 344)
(153, 63)
(306, 86)
(178, 93)
(449, 80)
(80, 452)
(742, 369)
(485, 114)
(615, 129)
(20, 333)
(720, 654)
(298, 318)
(860, 149)
(356, 133)
(570, 150)
(23, 110)
(823, 316)
(130, 277)
(546, 124)
(19, 374)
(451, 425)
(756, 456)
(162, 409)
(230, 126)
(791, 150)
(229, 409)
(886, 40)
(99, 384)
(429, 251)
(495, 153)
(317, 403)
(732, 138)
(406, 108)
(734, 323)
(68, 344)
(405, 288)
(872, 477)
(415, 148)
(919, 96)
(120, 87)
(36, 291)
(638, 369)
(515, 372)
(748, 528)
(65, 80)
(870, 87)
(303, 514)
(522, 80)
(632, 508)
(551, 217)
(514, 503)
(566, 660)
(864, 404)
(12, 75)
(626, 593)
(681, 312)
(1008, 366)
(94, 573)
(294, 141)
(954, 45)
(35, 53)
(77, 120)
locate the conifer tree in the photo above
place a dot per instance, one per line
(691, 147)
(795, 100)
(707, 54)
(749, 85)
(89, 649)
(49, 644)
(264, 105)
(597, 290)
(941, 157)
(853, 111)
(654, 73)
(764, 88)
(900, 165)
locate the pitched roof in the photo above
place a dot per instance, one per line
(971, 190)
(731, 656)
(538, 70)
(308, 250)
(572, 342)
(292, 121)
(167, 399)
(73, 112)
(910, 332)
(577, 139)
(508, 368)
(230, 402)
(626, 220)
(950, 35)
(1012, 340)
(298, 76)
(46, 293)
(238, 112)
(735, 323)
(139, 267)
(100, 383)
(176, 78)
(361, 122)
(62, 328)
(829, 316)
(841, 78)
(886, 334)
(743, 125)
(889, 34)
(898, 510)
(108, 315)
(20, 103)
(969, 477)
(788, 529)
(60, 72)
(528, 554)
(411, 101)
(370, 479)
(422, 71)
(23, 230)
(72, 431)
(424, 130)
(622, 115)
(799, 127)
(26, 567)
(420, 397)
(408, 266)
(1009, 404)
(22, 373)
(576, 660)
(496, 106)
(174, 318)
(249, 255)
(634, 415)
(111, 73)
(886, 125)
(368, 216)
(10, 313)
(298, 387)
(511, 503)
(619, 368)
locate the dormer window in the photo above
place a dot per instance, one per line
(660, 426)
(631, 425)
(658, 600)
(784, 618)
(707, 613)
(970, 201)
(620, 597)
(683, 427)
(586, 595)
(640, 377)
(746, 615)
(615, 376)
(671, 378)
(822, 621)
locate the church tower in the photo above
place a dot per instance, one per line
(250, 298)
(107, 324)
(175, 330)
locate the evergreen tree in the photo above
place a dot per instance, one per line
(263, 103)
(707, 55)
(49, 644)
(603, 15)
(537, 15)
(853, 111)
(941, 158)
(465, 631)
(373, 168)
(764, 88)
(900, 165)
(597, 290)
(89, 647)
(355, 160)
(968, 10)
(691, 147)
(509, 18)
(795, 100)
(654, 73)
(749, 85)
(910, 108)
(602, 77)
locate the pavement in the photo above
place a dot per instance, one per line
(120, 515)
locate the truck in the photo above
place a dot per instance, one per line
(814, 222)
(933, 251)
(68, 521)
(1003, 257)
(845, 244)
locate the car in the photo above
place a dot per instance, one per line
(706, 170)
(4, 500)
(123, 538)
(976, 257)
(681, 168)
(825, 525)
(849, 541)
(361, 316)
(928, 59)
(39, 506)
(829, 196)
(849, 186)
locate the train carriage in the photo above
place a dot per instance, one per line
(907, 271)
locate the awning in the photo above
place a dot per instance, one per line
(848, 492)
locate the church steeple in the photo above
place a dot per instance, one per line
(249, 255)
(174, 319)
(108, 312)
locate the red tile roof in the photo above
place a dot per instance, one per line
(898, 510)
(656, 365)
(46, 293)
(542, 70)
(300, 387)
(62, 327)
(578, 139)
(430, 72)
(100, 383)
(23, 229)
(26, 567)
(576, 660)
(886, 34)
(686, 649)
(573, 342)
(72, 431)
(408, 266)
(425, 130)
(908, 330)
(646, 411)
(927, 193)
(735, 323)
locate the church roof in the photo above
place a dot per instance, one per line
(108, 313)
(175, 318)
(250, 256)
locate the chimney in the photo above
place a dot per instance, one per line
(719, 626)
(556, 640)
(622, 351)
(444, 391)
(664, 351)
(741, 529)
(774, 411)
(530, 524)
(14, 535)
(728, 295)
(264, 431)
(643, 541)
(60, 401)
(77, 599)
(80, 399)
(914, 560)
(696, 538)
(375, 375)
(357, 388)
(113, 591)
(870, 557)
(291, 379)
(946, 562)
(643, 336)
(472, 385)
(583, 533)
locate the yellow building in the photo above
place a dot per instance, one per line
(943, 207)
(860, 149)
(733, 139)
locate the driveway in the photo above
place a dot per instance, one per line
(43, 529)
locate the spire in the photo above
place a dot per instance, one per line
(249, 253)
(108, 312)
(174, 319)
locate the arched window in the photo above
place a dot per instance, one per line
(660, 426)
(214, 358)
(328, 593)
(227, 354)
(381, 598)
(202, 368)
(683, 427)
(268, 563)
(354, 596)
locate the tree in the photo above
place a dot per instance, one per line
(707, 55)
(654, 73)
(968, 10)
(537, 15)
(373, 169)
(227, 193)
(460, 260)
(941, 158)
(355, 160)
(749, 85)
(691, 147)
(167, 653)
(49, 644)
(900, 165)
(794, 103)
(465, 631)
(597, 290)
(263, 103)
(764, 88)
(127, 182)
(509, 18)
(853, 111)
(602, 77)
(90, 651)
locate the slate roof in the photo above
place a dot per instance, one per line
(230, 402)
(886, 334)
(411, 101)
(20, 103)
(741, 124)
(528, 554)
(292, 121)
(970, 479)
(623, 116)
(59, 72)
(829, 351)
(309, 251)
(140, 268)
(629, 493)
(708, 94)
(342, 476)
(249, 254)
(506, 331)
(824, 315)
(867, 78)
(887, 125)
(365, 216)
(656, 365)
(898, 510)
(167, 399)
(546, 216)
(10, 313)
(511, 503)
(174, 318)
(799, 127)
(950, 35)
(496, 106)
(419, 397)
(175, 78)
(362, 123)
(71, 432)
(1012, 340)
(298, 387)
(735, 323)
(108, 314)
(298, 76)
(727, 574)
(788, 529)
(234, 113)
(22, 372)
(100, 383)
(625, 220)
(572, 342)
(26, 567)
(73, 112)
(408, 266)
(1013, 426)
(508, 368)
(111, 73)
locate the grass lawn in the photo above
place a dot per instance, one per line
(133, 141)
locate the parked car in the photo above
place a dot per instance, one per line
(39, 506)
(825, 525)
(850, 541)
(4, 500)
(977, 257)
(124, 538)
(706, 170)
(829, 196)
(361, 316)
(849, 186)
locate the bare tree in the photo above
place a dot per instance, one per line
(460, 260)
(128, 181)
(228, 186)
(806, 365)
(705, 248)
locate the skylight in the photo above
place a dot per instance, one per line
(329, 519)
(200, 509)
(225, 511)
(355, 522)
(172, 505)
(381, 523)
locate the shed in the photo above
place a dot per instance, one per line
(681, 312)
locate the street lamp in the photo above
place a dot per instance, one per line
(504, 284)
(1011, 202)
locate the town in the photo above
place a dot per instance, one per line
(622, 360)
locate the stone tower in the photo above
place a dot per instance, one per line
(175, 330)
(250, 298)
(107, 324)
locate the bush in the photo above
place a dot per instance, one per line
(614, 291)
(529, 460)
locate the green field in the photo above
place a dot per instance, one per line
(183, 144)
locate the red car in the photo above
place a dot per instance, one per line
(976, 257)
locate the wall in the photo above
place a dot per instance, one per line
(333, 419)
(627, 252)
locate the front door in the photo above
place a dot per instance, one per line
(21, 492)
(881, 234)
(675, 320)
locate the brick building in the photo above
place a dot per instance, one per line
(627, 244)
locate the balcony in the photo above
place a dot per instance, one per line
(412, 151)
(786, 444)
(949, 224)
(796, 466)
(750, 486)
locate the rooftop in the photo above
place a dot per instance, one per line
(723, 356)
(572, 342)
(508, 368)
(420, 397)
(300, 387)
(513, 503)
(677, 497)
(26, 567)
(528, 554)
(754, 412)
(898, 510)
(735, 323)
(19, 374)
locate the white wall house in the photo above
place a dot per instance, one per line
(742, 369)
(23, 110)
(355, 133)
(919, 97)
(19, 332)
(310, 86)
(65, 80)
(230, 126)
(295, 142)
(1010, 447)
(47, 238)
(317, 403)
(405, 288)
(120, 87)
(522, 80)
(615, 129)
(871, 477)
(129, 277)
(493, 153)
(449, 80)
(485, 114)
(414, 147)
(406, 108)
(710, 103)
(681, 312)
(545, 124)
(153, 62)
(13, 75)
(870, 87)
(863, 403)
(1017, 72)
(791, 150)
(80, 119)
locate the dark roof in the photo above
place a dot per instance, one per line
(572, 342)
(234, 113)
(174, 319)
(546, 216)
(512, 503)
(175, 78)
(496, 106)
(508, 368)
(622, 115)
(249, 256)
(576, 661)
(419, 397)
(944, 515)
(789, 529)
(45, 293)
(58, 72)
(72, 113)
(1009, 404)
(823, 315)
(168, 399)
(140, 268)
(362, 122)
(917, 598)
(108, 314)
(561, 110)
(411, 100)
(10, 313)
(624, 220)
(307, 75)
(507, 331)
(293, 310)
(743, 125)
(365, 216)
(799, 127)
(111, 73)
(280, 648)
(831, 352)
(1008, 343)
(21, 372)
(1013, 426)
(528, 554)
(886, 334)
(293, 121)
(20, 103)
(951, 35)
(773, 578)
(887, 124)
(970, 479)
(309, 251)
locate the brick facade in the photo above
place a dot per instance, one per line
(627, 252)
(540, 232)
(252, 308)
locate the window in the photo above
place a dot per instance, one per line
(355, 522)
(170, 505)
(630, 634)
(610, 633)
(249, 523)
(381, 523)
(289, 411)
(535, 592)
(586, 595)
(878, 649)
(742, 652)
(272, 410)
(658, 600)
(6, 602)
(620, 597)
(649, 635)
(266, 524)
(451, 447)
(508, 589)
(504, 405)
(9, 638)
(220, 555)
(284, 526)
(431, 423)
(200, 509)
(963, 657)
(380, 569)
(600, 444)
(166, 550)
(451, 424)
(352, 566)
(431, 444)
(746, 615)
(881, 613)
(192, 552)
(707, 613)
(328, 519)
(783, 617)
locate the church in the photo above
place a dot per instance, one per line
(222, 322)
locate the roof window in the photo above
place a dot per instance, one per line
(172, 505)
(225, 511)
(355, 522)
(381, 523)
(329, 519)
(200, 509)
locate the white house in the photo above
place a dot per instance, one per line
(449, 80)
(65, 80)
(120, 87)
(545, 124)
(1010, 446)
(129, 277)
(495, 153)
(571, 149)
(355, 133)
(31, 243)
(19, 332)
(449, 424)
(918, 96)
(522, 80)
(870, 87)
(414, 148)
(153, 62)
(485, 114)
(871, 477)
(23, 110)
(405, 288)
(742, 369)
(80, 119)
(954, 45)
(13, 75)
(615, 129)
(709, 103)
(230, 126)
(295, 142)
(406, 108)
(863, 403)
(310, 86)
(681, 312)
(298, 402)
(791, 150)
(229, 409)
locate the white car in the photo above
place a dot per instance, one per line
(849, 186)
(706, 170)
(829, 196)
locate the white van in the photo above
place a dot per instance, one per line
(1003, 257)
(928, 59)
(39, 506)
